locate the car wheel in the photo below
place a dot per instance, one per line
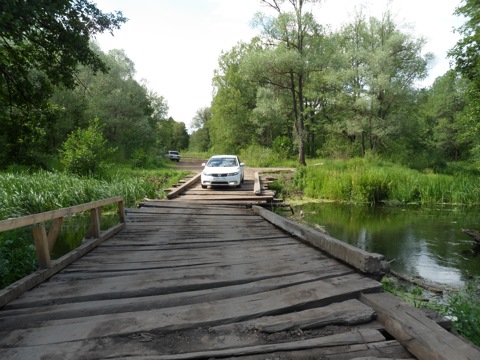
(204, 186)
(239, 186)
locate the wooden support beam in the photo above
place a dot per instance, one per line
(54, 232)
(420, 335)
(121, 211)
(41, 244)
(257, 189)
(177, 191)
(366, 262)
(94, 229)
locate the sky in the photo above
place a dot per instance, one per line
(175, 44)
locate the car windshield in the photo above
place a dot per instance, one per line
(222, 162)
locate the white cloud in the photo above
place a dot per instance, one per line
(175, 44)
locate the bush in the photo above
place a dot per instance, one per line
(259, 156)
(17, 256)
(85, 150)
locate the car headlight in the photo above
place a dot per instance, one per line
(233, 174)
(207, 174)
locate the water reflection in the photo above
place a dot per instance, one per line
(420, 242)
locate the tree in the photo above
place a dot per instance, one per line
(122, 104)
(200, 138)
(288, 58)
(41, 45)
(230, 128)
(466, 54)
(171, 135)
(380, 65)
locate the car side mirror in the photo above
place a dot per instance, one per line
(242, 164)
(203, 164)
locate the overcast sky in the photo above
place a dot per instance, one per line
(175, 44)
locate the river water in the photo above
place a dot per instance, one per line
(420, 242)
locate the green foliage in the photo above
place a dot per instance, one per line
(139, 158)
(373, 181)
(17, 256)
(283, 147)
(24, 193)
(85, 150)
(464, 308)
(229, 127)
(42, 43)
(27, 193)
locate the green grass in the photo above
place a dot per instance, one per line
(23, 193)
(373, 181)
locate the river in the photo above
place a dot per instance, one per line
(419, 241)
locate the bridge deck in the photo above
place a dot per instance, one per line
(191, 281)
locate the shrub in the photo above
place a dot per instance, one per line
(17, 256)
(85, 150)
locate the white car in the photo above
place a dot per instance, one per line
(173, 155)
(223, 170)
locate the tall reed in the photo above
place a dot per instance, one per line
(366, 181)
(26, 193)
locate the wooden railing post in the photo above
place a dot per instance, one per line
(94, 230)
(121, 211)
(54, 232)
(41, 244)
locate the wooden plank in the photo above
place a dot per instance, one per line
(150, 346)
(384, 350)
(234, 196)
(11, 224)
(257, 187)
(298, 297)
(177, 191)
(349, 338)
(349, 312)
(17, 317)
(54, 232)
(167, 282)
(414, 330)
(362, 260)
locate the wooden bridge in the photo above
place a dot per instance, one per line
(199, 278)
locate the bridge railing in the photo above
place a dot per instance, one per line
(44, 241)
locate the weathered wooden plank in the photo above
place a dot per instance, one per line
(11, 224)
(364, 261)
(151, 346)
(414, 330)
(385, 350)
(349, 338)
(257, 186)
(349, 312)
(25, 317)
(191, 182)
(165, 282)
(234, 196)
(292, 298)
